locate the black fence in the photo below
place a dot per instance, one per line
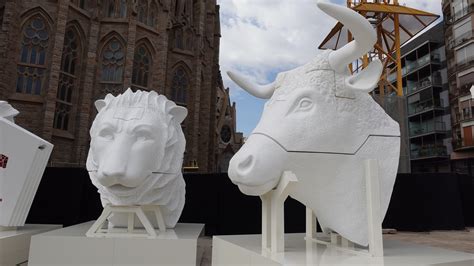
(420, 202)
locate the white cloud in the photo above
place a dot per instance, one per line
(260, 37)
(433, 6)
(263, 37)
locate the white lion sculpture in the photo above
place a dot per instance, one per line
(136, 153)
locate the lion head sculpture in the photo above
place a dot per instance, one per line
(136, 152)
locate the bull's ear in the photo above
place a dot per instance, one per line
(367, 79)
(179, 113)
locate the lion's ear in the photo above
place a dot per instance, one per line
(99, 104)
(179, 113)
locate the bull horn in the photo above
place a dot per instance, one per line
(259, 91)
(364, 36)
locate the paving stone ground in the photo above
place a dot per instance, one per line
(454, 240)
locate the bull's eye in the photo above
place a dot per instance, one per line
(305, 104)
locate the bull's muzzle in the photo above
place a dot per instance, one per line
(256, 168)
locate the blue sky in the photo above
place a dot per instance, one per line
(263, 37)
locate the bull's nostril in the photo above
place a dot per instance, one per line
(246, 164)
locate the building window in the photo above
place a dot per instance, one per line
(463, 30)
(141, 68)
(32, 64)
(115, 8)
(465, 54)
(179, 86)
(113, 60)
(80, 3)
(152, 15)
(142, 10)
(179, 43)
(226, 134)
(68, 77)
(147, 13)
(460, 8)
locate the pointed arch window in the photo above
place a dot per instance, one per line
(152, 15)
(68, 81)
(142, 10)
(113, 60)
(147, 13)
(32, 63)
(80, 3)
(115, 8)
(179, 86)
(141, 68)
(183, 11)
(179, 42)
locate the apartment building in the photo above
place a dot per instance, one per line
(425, 86)
(459, 33)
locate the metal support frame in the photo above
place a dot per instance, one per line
(97, 229)
(273, 219)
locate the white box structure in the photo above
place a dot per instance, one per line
(247, 250)
(23, 158)
(70, 246)
(15, 244)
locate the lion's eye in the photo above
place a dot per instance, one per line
(106, 134)
(143, 135)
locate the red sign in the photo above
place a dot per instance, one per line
(3, 161)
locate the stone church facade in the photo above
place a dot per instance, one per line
(59, 56)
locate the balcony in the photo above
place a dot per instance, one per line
(426, 105)
(459, 144)
(466, 115)
(458, 15)
(462, 65)
(393, 76)
(461, 39)
(418, 129)
(428, 151)
(432, 58)
(433, 80)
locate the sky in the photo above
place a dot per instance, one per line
(261, 38)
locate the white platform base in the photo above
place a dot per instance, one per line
(247, 250)
(15, 244)
(70, 246)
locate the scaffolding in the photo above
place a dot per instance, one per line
(395, 25)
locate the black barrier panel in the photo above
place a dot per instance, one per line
(420, 202)
(65, 196)
(424, 202)
(466, 187)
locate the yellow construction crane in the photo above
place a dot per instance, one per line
(395, 25)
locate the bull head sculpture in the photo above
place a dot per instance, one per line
(321, 123)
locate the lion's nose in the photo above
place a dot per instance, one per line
(113, 172)
(113, 169)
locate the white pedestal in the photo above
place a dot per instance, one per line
(70, 246)
(247, 250)
(15, 244)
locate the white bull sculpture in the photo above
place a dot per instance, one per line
(321, 124)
